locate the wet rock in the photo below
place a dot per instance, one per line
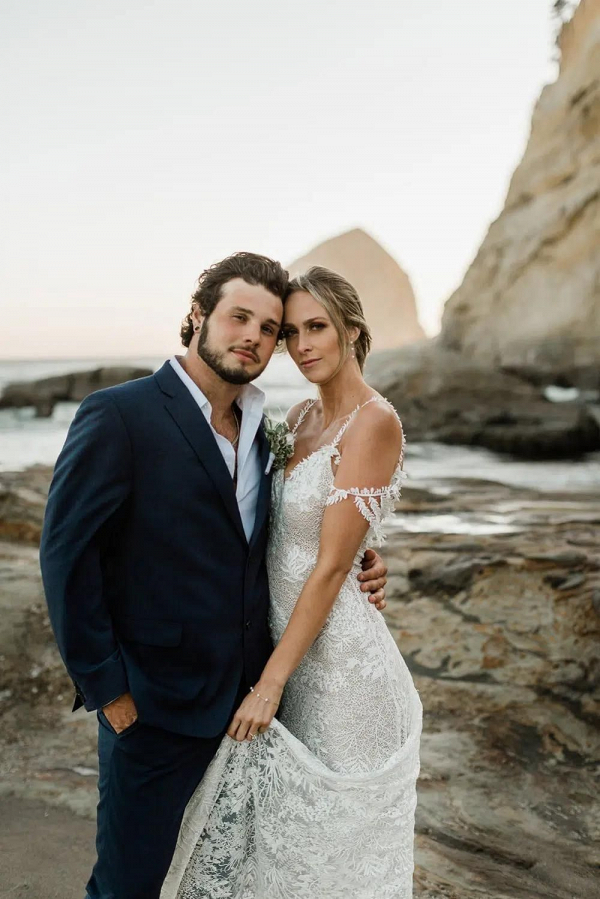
(45, 393)
(562, 582)
(568, 558)
(448, 397)
(23, 498)
(450, 578)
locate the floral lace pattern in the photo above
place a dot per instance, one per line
(322, 805)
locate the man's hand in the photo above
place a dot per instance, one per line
(374, 578)
(121, 713)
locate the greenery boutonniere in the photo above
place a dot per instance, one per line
(281, 442)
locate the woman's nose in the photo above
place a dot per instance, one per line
(304, 344)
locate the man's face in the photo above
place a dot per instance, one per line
(238, 338)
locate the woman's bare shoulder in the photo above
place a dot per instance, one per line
(378, 422)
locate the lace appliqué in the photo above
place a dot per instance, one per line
(376, 504)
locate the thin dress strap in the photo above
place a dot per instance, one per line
(303, 412)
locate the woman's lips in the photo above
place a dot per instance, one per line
(309, 362)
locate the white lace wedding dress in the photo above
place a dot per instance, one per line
(322, 805)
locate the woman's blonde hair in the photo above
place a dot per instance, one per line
(342, 303)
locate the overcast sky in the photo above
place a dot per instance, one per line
(145, 140)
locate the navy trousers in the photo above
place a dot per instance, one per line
(146, 778)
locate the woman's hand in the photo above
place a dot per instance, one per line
(256, 712)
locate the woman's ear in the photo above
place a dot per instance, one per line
(353, 334)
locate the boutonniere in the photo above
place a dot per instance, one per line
(281, 443)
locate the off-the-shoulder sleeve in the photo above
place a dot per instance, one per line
(375, 504)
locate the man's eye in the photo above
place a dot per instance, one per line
(268, 330)
(240, 318)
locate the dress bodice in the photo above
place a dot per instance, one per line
(299, 501)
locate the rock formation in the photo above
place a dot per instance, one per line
(74, 387)
(454, 398)
(385, 290)
(530, 301)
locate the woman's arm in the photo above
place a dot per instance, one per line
(371, 450)
(373, 576)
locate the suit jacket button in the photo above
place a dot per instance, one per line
(248, 625)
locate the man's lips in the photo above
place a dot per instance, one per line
(245, 354)
(308, 362)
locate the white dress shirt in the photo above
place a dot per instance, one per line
(251, 401)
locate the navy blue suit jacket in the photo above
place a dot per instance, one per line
(151, 584)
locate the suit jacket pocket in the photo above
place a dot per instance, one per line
(150, 631)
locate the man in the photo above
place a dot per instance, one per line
(153, 559)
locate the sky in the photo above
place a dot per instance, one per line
(146, 139)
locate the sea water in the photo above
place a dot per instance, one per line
(26, 440)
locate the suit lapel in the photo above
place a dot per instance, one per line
(183, 409)
(264, 489)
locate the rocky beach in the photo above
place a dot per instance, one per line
(494, 600)
(493, 551)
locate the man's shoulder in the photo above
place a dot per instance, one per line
(126, 394)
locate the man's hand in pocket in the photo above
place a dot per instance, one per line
(121, 713)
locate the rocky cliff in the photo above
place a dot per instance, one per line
(385, 290)
(530, 301)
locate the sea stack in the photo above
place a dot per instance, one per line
(384, 288)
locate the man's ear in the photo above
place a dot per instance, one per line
(197, 317)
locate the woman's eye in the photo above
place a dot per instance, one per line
(317, 326)
(240, 318)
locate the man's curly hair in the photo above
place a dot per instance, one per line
(254, 269)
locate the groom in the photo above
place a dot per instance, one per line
(153, 560)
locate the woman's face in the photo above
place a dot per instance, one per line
(311, 337)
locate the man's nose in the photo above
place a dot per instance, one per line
(252, 334)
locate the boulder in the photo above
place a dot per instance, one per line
(45, 393)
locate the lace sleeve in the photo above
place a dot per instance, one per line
(375, 504)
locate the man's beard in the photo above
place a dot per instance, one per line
(214, 360)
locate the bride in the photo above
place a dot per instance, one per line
(318, 802)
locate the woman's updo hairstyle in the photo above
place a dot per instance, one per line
(343, 305)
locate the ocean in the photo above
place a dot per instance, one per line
(26, 440)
